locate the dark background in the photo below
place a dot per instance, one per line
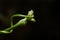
(47, 22)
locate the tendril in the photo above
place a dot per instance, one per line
(28, 17)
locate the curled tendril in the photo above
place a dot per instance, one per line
(28, 17)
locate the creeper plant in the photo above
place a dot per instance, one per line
(28, 17)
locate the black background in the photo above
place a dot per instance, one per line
(47, 22)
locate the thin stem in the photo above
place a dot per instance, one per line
(21, 22)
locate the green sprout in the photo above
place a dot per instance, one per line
(28, 17)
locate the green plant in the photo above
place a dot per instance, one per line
(28, 17)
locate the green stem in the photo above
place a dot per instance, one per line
(21, 22)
